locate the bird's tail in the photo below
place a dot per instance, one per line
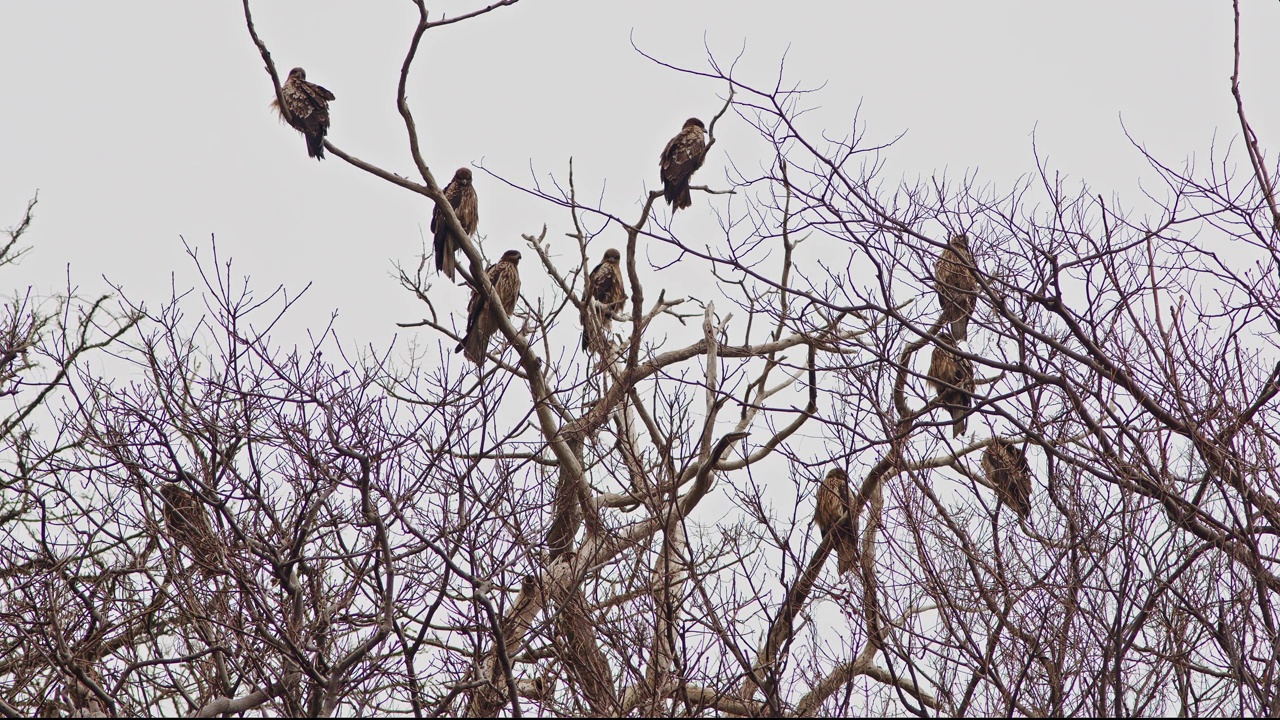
(960, 328)
(315, 145)
(670, 192)
(445, 260)
(959, 419)
(846, 553)
(597, 325)
(473, 347)
(1021, 503)
(684, 200)
(677, 194)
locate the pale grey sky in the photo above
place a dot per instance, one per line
(142, 122)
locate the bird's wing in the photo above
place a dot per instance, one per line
(317, 95)
(451, 194)
(617, 293)
(476, 304)
(594, 282)
(683, 155)
(508, 286)
(665, 161)
(467, 208)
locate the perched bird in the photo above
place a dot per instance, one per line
(680, 159)
(605, 295)
(515, 613)
(187, 523)
(957, 285)
(833, 502)
(481, 323)
(306, 109)
(461, 194)
(1005, 465)
(951, 377)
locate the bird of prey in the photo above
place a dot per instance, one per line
(957, 285)
(680, 159)
(951, 377)
(605, 295)
(1005, 465)
(187, 523)
(481, 323)
(833, 502)
(461, 194)
(306, 109)
(514, 623)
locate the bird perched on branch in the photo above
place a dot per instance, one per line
(306, 109)
(833, 503)
(957, 285)
(1006, 468)
(680, 159)
(481, 323)
(951, 377)
(187, 523)
(461, 194)
(605, 295)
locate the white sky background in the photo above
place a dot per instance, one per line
(144, 122)
(141, 123)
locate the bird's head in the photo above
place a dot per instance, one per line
(960, 239)
(298, 74)
(695, 122)
(511, 256)
(838, 474)
(612, 256)
(463, 176)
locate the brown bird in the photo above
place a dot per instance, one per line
(306, 109)
(680, 159)
(481, 323)
(951, 377)
(833, 502)
(957, 285)
(187, 523)
(513, 622)
(461, 194)
(1005, 465)
(605, 295)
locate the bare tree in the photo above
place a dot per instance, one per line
(44, 341)
(224, 525)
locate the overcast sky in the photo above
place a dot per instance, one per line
(142, 123)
